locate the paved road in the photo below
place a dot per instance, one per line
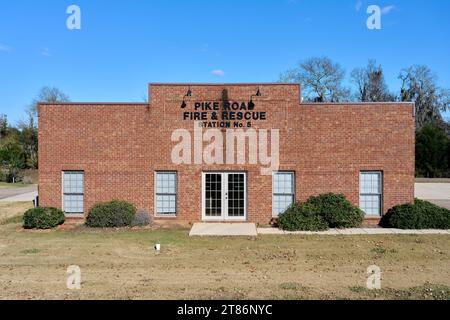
(18, 194)
(437, 193)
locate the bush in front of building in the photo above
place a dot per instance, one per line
(301, 217)
(141, 219)
(321, 213)
(114, 214)
(420, 215)
(337, 211)
(43, 218)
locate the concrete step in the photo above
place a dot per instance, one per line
(223, 229)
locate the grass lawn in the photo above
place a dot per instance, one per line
(5, 185)
(11, 211)
(123, 265)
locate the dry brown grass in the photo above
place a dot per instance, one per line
(123, 265)
(18, 185)
(9, 210)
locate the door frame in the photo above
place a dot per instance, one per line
(224, 217)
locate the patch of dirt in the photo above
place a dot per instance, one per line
(122, 264)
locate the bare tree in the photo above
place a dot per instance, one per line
(321, 80)
(47, 94)
(370, 83)
(419, 86)
(28, 129)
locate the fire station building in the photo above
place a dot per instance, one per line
(224, 152)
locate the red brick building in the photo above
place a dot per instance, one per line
(95, 152)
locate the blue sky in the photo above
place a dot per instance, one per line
(123, 45)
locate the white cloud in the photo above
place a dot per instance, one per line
(387, 9)
(5, 48)
(358, 5)
(218, 72)
(46, 52)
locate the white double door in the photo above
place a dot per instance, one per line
(224, 196)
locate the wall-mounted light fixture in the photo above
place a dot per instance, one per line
(251, 104)
(188, 94)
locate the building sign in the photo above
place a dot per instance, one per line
(224, 114)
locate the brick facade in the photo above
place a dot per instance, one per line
(120, 146)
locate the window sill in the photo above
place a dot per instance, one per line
(74, 216)
(162, 216)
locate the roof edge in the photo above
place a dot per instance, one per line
(93, 103)
(223, 84)
(354, 103)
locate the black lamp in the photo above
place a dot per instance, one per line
(251, 104)
(188, 94)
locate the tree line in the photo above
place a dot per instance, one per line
(19, 143)
(322, 80)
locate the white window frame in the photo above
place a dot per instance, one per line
(380, 194)
(79, 214)
(276, 215)
(224, 216)
(155, 181)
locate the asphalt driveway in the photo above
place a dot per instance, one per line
(437, 193)
(18, 194)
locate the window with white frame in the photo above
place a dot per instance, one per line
(283, 191)
(73, 192)
(371, 192)
(166, 193)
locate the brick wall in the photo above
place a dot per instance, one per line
(120, 146)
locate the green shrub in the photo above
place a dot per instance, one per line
(320, 213)
(114, 214)
(43, 218)
(337, 211)
(301, 217)
(420, 215)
